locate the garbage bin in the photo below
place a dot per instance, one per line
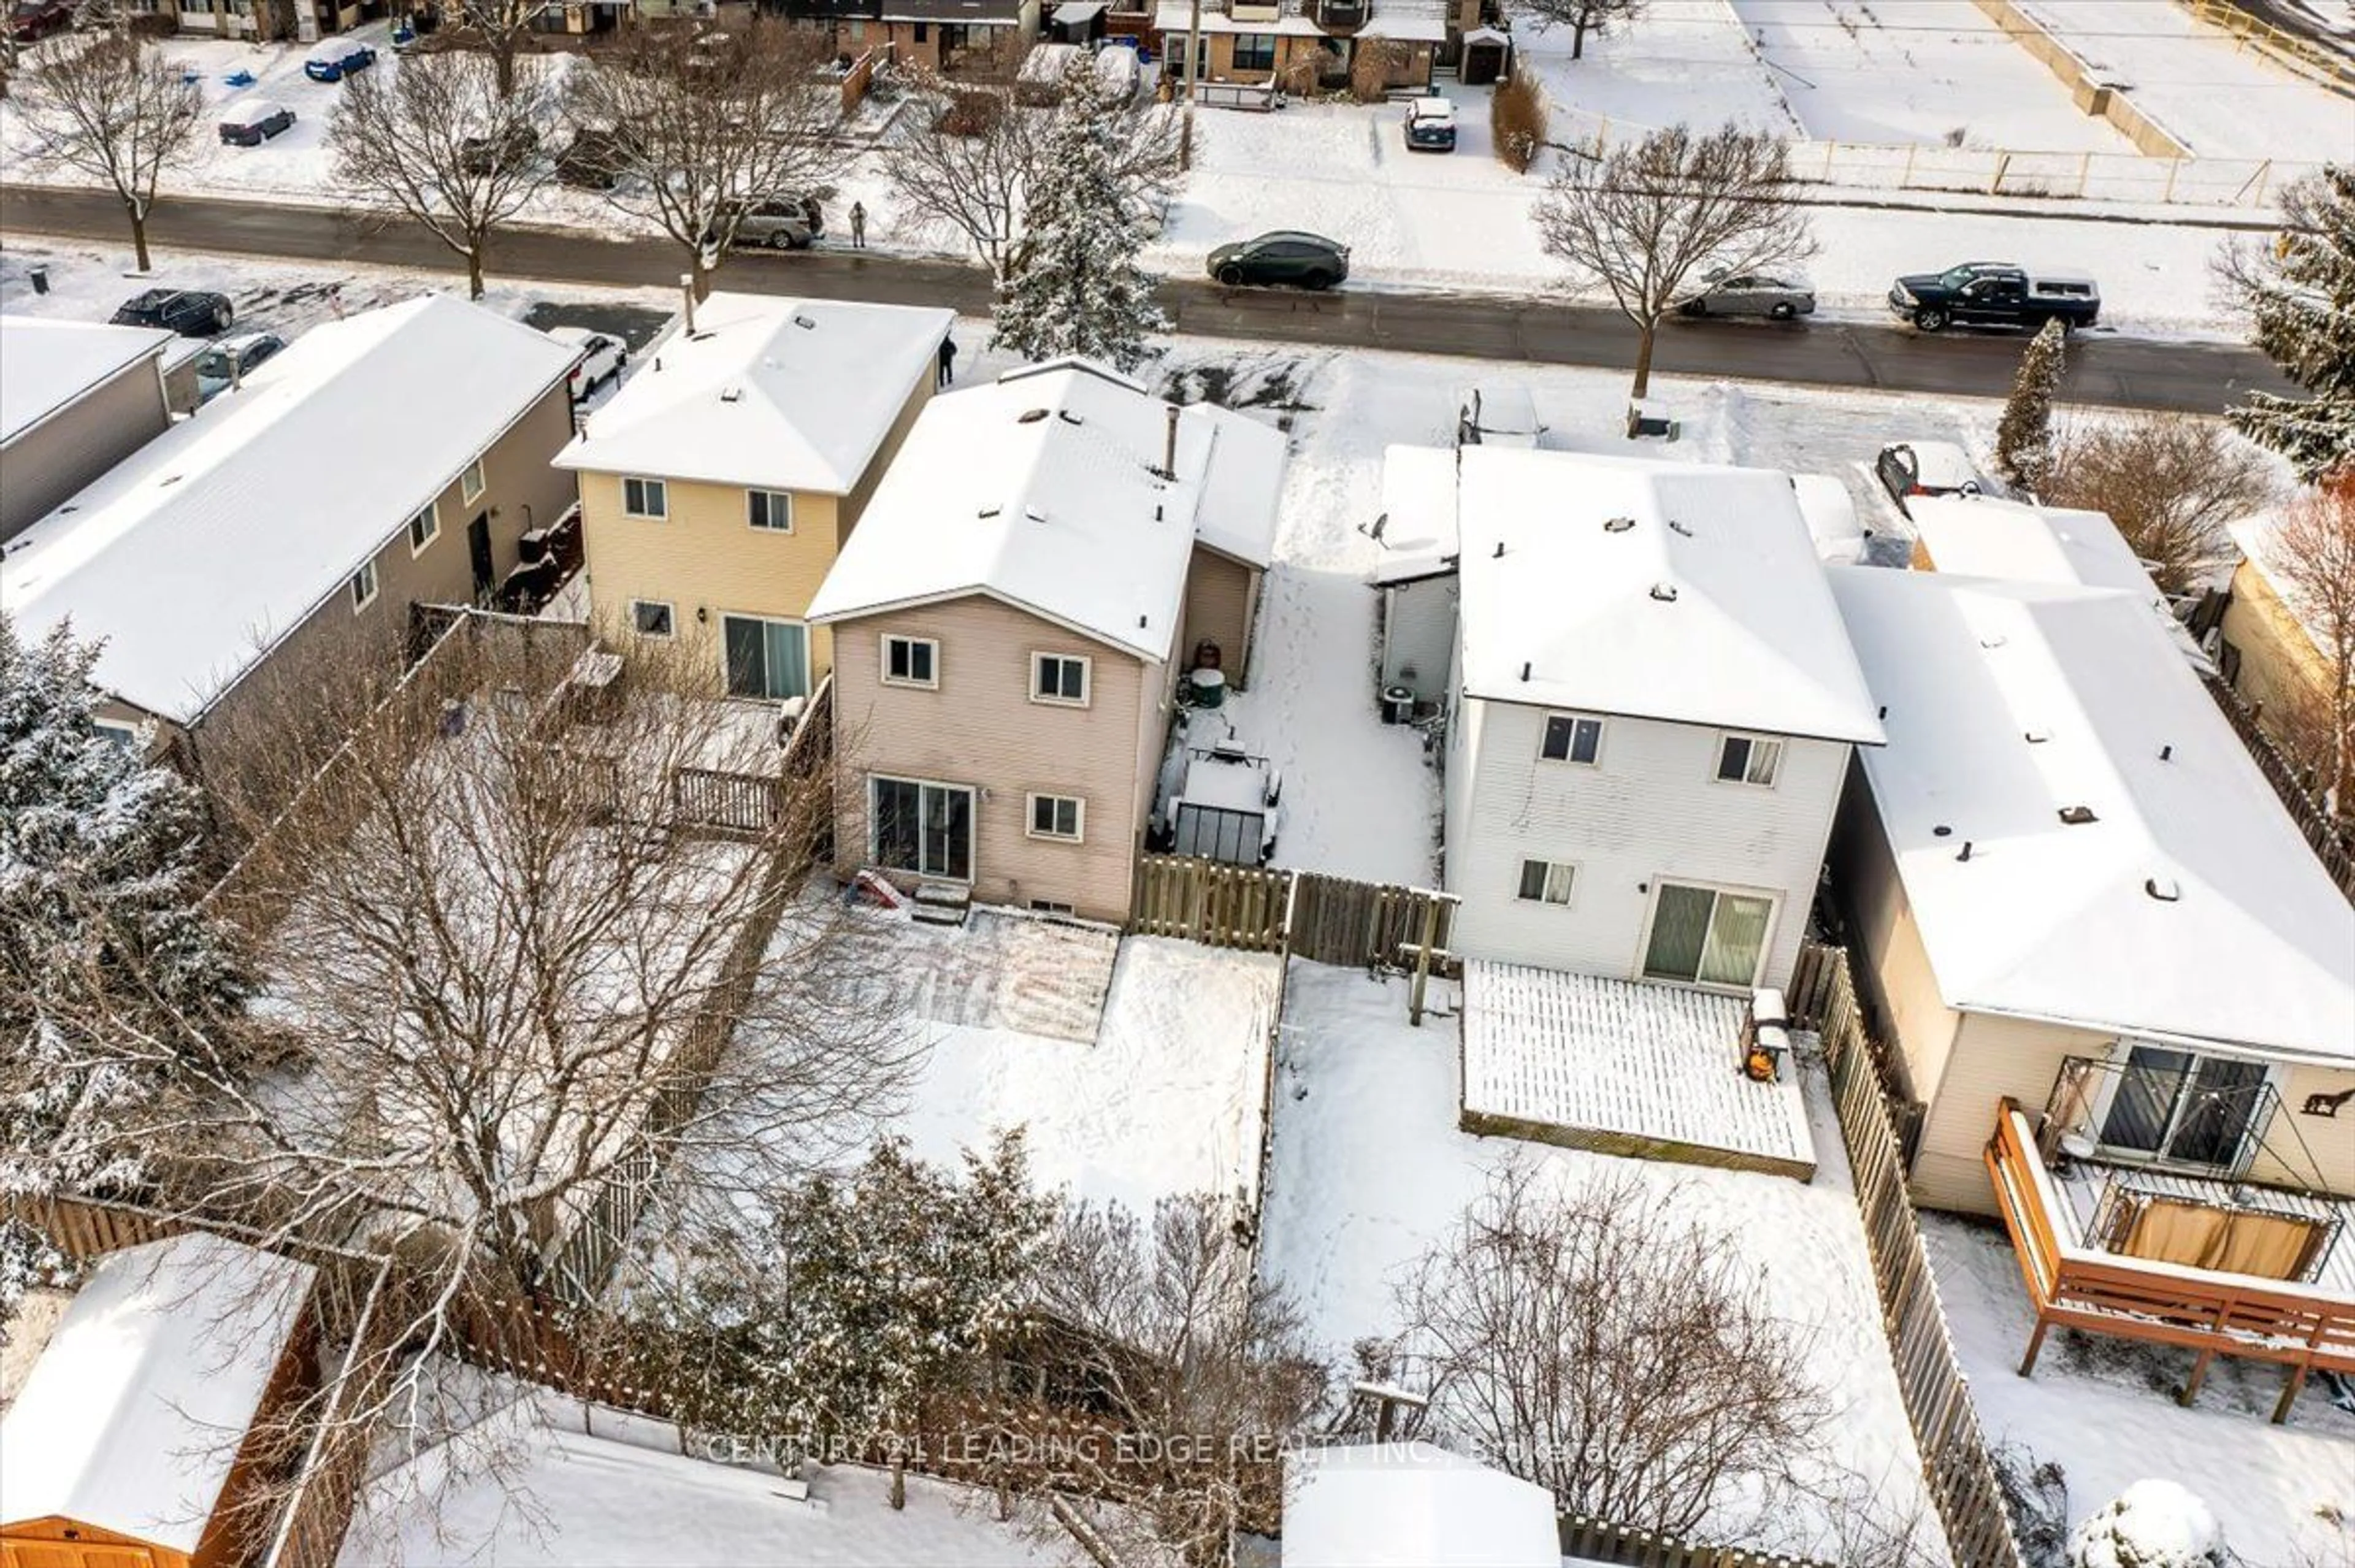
(41, 279)
(1207, 687)
(1398, 705)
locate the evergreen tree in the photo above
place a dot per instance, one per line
(2301, 292)
(2023, 437)
(106, 968)
(1075, 286)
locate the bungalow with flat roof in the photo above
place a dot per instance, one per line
(719, 484)
(1010, 619)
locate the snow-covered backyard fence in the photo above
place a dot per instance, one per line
(1210, 902)
(1331, 920)
(1597, 1541)
(1955, 1465)
(2329, 841)
(2284, 48)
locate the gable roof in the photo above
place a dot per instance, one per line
(1413, 1506)
(51, 364)
(1044, 489)
(130, 1419)
(1985, 537)
(779, 394)
(2008, 703)
(199, 552)
(1672, 590)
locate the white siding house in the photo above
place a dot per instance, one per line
(1653, 707)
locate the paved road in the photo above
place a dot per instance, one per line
(2126, 372)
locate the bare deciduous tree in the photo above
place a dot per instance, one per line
(1583, 17)
(1645, 220)
(2172, 483)
(111, 108)
(1618, 1356)
(450, 139)
(969, 171)
(703, 126)
(1191, 1353)
(2311, 557)
(503, 26)
(506, 978)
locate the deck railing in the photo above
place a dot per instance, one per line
(2302, 1329)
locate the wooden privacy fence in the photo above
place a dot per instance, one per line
(1305, 915)
(2315, 824)
(1597, 1541)
(1956, 1467)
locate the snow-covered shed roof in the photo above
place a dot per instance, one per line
(1681, 592)
(778, 394)
(1983, 537)
(2187, 906)
(1410, 1505)
(131, 1419)
(1417, 529)
(617, 1500)
(1044, 489)
(195, 554)
(51, 364)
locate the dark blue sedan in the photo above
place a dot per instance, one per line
(336, 59)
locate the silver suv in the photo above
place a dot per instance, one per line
(778, 222)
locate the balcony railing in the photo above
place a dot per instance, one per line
(1341, 15)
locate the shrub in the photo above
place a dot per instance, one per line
(970, 114)
(1517, 122)
(1370, 68)
(2171, 481)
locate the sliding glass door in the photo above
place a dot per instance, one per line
(2183, 1107)
(1704, 936)
(926, 828)
(766, 658)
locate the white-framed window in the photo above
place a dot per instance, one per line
(1749, 758)
(1059, 678)
(1571, 738)
(910, 661)
(646, 498)
(471, 484)
(1051, 906)
(770, 511)
(363, 587)
(117, 734)
(651, 618)
(1707, 936)
(1547, 882)
(424, 527)
(1063, 816)
(1254, 52)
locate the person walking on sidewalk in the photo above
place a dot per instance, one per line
(947, 377)
(858, 226)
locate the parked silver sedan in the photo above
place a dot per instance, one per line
(1778, 297)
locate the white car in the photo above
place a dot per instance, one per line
(601, 358)
(1926, 468)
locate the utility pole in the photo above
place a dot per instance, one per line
(1193, 59)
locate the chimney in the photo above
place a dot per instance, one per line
(687, 292)
(1170, 452)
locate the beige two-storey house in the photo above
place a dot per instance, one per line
(1046, 556)
(719, 484)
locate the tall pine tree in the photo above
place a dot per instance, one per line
(2301, 293)
(1076, 288)
(2023, 437)
(108, 971)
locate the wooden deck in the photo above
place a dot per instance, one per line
(2301, 1327)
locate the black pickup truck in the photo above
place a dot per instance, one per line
(1996, 293)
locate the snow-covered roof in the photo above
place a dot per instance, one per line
(1417, 531)
(2188, 907)
(779, 394)
(1043, 489)
(619, 1501)
(1983, 536)
(1410, 1505)
(1831, 517)
(195, 554)
(51, 364)
(1402, 20)
(132, 1418)
(1679, 591)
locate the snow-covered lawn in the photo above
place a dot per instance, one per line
(1370, 1168)
(2104, 1411)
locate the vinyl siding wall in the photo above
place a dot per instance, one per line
(48, 463)
(1221, 597)
(1650, 809)
(1897, 976)
(2280, 667)
(1418, 634)
(980, 729)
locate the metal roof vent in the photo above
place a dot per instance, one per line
(1029, 416)
(1941, 831)
(1034, 514)
(2078, 816)
(804, 322)
(731, 394)
(1617, 525)
(2037, 736)
(1994, 642)
(1666, 593)
(1677, 528)
(991, 511)
(2166, 890)
(1067, 417)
